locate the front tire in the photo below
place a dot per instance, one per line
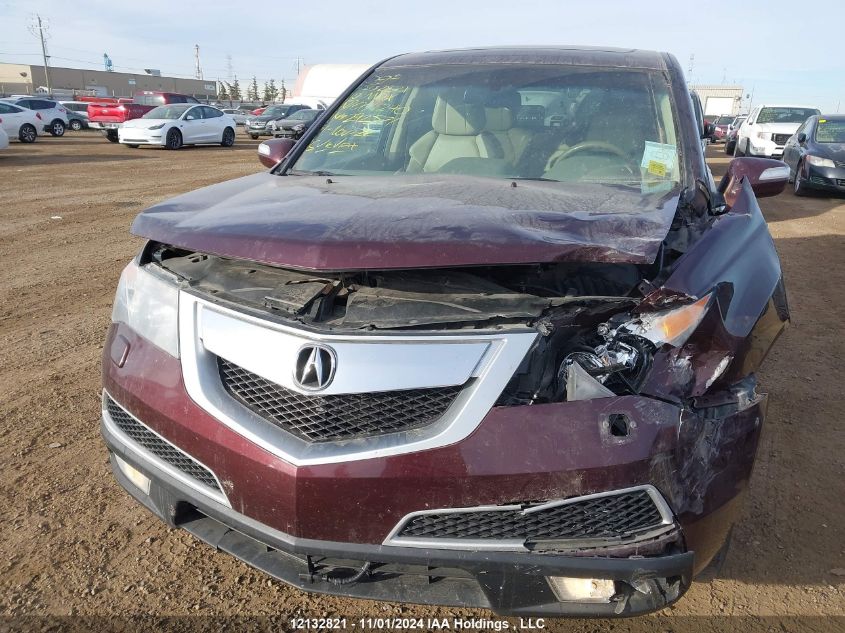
(798, 187)
(174, 139)
(57, 128)
(132, 145)
(111, 135)
(254, 137)
(738, 153)
(27, 133)
(228, 137)
(76, 125)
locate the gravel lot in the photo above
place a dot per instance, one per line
(74, 544)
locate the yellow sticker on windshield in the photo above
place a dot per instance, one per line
(656, 169)
(822, 120)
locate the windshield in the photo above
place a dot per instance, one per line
(276, 111)
(549, 122)
(167, 112)
(785, 115)
(726, 120)
(303, 115)
(828, 131)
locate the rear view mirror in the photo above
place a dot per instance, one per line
(766, 176)
(271, 151)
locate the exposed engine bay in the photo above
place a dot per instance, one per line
(594, 342)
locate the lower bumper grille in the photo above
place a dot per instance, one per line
(328, 418)
(159, 447)
(780, 139)
(612, 516)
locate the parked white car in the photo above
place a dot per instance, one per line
(178, 124)
(53, 114)
(768, 128)
(20, 123)
(4, 139)
(239, 116)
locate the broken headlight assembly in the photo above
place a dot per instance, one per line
(610, 358)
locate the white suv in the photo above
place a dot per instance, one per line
(53, 114)
(768, 128)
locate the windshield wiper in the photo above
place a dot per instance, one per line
(303, 172)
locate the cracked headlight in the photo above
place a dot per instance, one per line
(671, 327)
(150, 306)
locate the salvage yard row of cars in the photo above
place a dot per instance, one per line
(810, 143)
(487, 334)
(25, 117)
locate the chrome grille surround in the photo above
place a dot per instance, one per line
(482, 361)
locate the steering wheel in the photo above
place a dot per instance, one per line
(599, 146)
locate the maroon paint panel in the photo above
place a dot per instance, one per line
(517, 454)
(355, 223)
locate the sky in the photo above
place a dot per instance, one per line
(762, 45)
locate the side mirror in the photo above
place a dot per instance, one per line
(802, 138)
(271, 151)
(766, 176)
(709, 130)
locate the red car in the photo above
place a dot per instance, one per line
(451, 351)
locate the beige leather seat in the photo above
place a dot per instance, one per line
(458, 132)
(513, 140)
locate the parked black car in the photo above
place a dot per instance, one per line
(257, 126)
(816, 155)
(295, 125)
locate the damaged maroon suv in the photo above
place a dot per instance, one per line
(487, 335)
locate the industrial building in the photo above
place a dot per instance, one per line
(720, 99)
(67, 82)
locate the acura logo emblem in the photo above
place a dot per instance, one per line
(315, 365)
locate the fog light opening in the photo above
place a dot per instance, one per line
(582, 589)
(139, 479)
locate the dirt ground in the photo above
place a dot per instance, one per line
(74, 544)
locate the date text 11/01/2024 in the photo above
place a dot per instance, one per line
(424, 624)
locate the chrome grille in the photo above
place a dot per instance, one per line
(610, 516)
(162, 449)
(327, 418)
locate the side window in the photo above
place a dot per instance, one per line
(25, 103)
(40, 104)
(190, 100)
(211, 113)
(753, 116)
(177, 99)
(8, 109)
(193, 113)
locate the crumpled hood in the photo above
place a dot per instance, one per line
(357, 223)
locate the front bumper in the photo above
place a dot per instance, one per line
(260, 131)
(347, 509)
(826, 178)
(763, 148)
(137, 136)
(508, 583)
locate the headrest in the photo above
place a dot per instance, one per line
(457, 118)
(499, 119)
